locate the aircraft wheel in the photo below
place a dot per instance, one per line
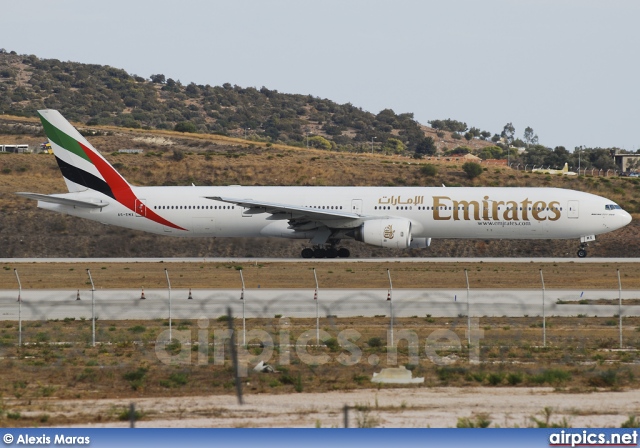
(343, 252)
(332, 252)
(582, 253)
(319, 253)
(307, 253)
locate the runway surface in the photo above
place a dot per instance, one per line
(297, 303)
(319, 260)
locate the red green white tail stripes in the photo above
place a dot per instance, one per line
(84, 168)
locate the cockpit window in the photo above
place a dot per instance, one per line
(612, 207)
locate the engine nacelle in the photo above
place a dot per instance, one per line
(388, 233)
(420, 243)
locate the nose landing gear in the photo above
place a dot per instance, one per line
(584, 240)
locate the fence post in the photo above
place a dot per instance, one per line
(466, 276)
(132, 415)
(166, 273)
(620, 305)
(244, 332)
(234, 357)
(315, 297)
(345, 411)
(544, 318)
(19, 308)
(93, 312)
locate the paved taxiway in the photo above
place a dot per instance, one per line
(208, 303)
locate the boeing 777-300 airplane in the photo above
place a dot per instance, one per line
(390, 217)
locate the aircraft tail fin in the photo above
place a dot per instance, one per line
(82, 166)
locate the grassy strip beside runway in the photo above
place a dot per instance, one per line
(330, 275)
(58, 362)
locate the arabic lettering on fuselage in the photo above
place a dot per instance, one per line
(397, 200)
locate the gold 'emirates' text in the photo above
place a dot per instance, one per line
(444, 208)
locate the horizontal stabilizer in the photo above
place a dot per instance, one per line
(54, 199)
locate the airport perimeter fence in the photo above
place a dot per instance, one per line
(494, 321)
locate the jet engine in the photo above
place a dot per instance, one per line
(388, 233)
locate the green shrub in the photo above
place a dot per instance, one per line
(429, 170)
(472, 169)
(551, 376)
(495, 379)
(514, 379)
(332, 344)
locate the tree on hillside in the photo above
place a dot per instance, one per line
(157, 79)
(426, 147)
(599, 158)
(448, 125)
(558, 157)
(491, 152)
(508, 133)
(475, 132)
(472, 169)
(319, 142)
(535, 155)
(185, 126)
(394, 146)
(529, 137)
(459, 150)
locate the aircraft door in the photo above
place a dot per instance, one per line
(356, 206)
(140, 208)
(572, 209)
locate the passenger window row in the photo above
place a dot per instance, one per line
(194, 207)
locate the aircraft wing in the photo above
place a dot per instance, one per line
(62, 200)
(286, 211)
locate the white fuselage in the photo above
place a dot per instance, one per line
(434, 212)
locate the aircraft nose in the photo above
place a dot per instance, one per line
(626, 218)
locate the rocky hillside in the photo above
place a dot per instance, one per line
(103, 95)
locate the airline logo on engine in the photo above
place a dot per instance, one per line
(389, 232)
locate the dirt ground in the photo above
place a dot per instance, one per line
(388, 407)
(427, 274)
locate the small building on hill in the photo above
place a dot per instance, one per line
(500, 162)
(463, 158)
(627, 162)
(17, 149)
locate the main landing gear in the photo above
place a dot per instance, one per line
(326, 251)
